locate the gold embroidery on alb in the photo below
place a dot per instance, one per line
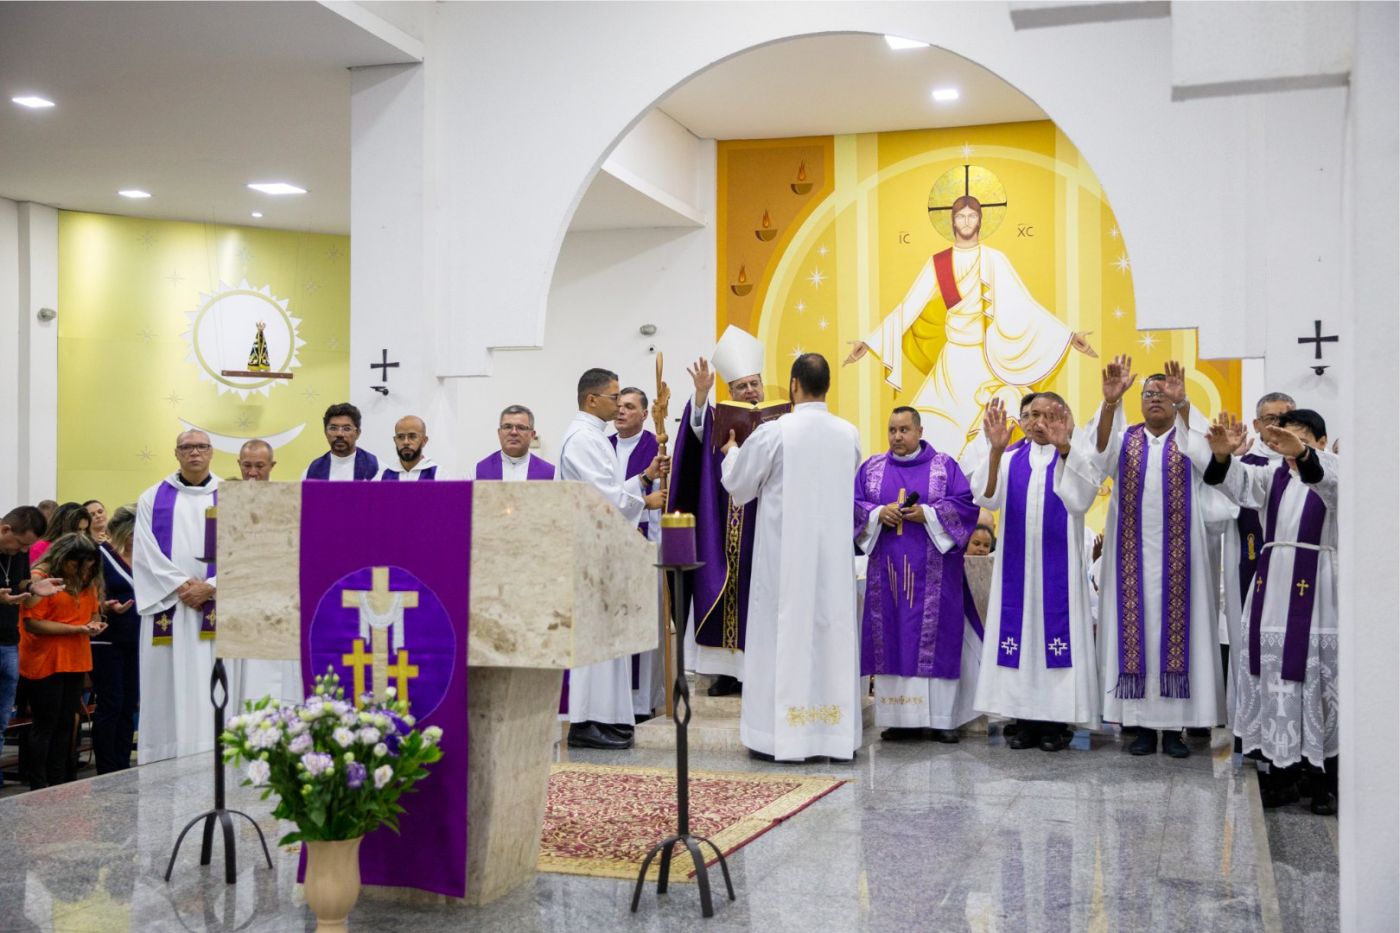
(809, 715)
(902, 701)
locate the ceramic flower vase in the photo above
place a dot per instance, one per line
(332, 881)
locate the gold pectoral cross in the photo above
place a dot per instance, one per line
(381, 600)
(1302, 586)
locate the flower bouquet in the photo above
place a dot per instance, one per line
(338, 773)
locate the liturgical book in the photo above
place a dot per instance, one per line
(743, 418)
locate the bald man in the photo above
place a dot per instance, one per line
(410, 437)
(255, 459)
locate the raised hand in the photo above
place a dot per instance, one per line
(1223, 435)
(46, 586)
(1118, 378)
(994, 425)
(1246, 439)
(703, 377)
(1059, 426)
(858, 350)
(1283, 441)
(112, 606)
(1080, 342)
(1175, 383)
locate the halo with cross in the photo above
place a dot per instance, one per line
(973, 180)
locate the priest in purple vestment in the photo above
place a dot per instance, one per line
(515, 432)
(920, 634)
(724, 533)
(344, 460)
(635, 448)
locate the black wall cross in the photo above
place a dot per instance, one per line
(384, 365)
(1317, 340)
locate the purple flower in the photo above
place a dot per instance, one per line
(355, 774)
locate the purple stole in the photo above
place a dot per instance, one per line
(640, 458)
(537, 469)
(923, 590)
(163, 528)
(1302, 593)
(1055, 575)
(366, 466)
(392, 476)
(1175, 661)
(1251, 535)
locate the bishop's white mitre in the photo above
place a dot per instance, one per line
(738, 354)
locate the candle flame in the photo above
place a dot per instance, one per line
(743, 277)
(766, 222)
(802, 171)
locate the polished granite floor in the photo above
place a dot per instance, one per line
(924, 837)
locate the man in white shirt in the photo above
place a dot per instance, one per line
(410, 437)
(516, 432)
(344, 461)
(600, 695)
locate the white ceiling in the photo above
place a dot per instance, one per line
(822, 85)
(191, 101)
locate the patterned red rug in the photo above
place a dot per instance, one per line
(602, 819)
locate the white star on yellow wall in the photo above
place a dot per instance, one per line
(1148, 341)
(816, 278)
(1123, 263)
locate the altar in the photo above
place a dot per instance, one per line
(551, 577)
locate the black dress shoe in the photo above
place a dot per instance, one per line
(617, 730)
(1198, 732)
(591, 735)
(760, 756)
(946, 736)
(1324, 804)
(725, 685)
(1025, 737)
(900, 734)
(1273, 797)
(1145, 743)
(1010, 728)
(1054, 741)
(1173, 746)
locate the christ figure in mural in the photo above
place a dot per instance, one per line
(998, 340)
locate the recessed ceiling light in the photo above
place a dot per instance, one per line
(945, 94)
(35, 103)
(257, 213)
(898, 42)
(136, 193)
(276, 187)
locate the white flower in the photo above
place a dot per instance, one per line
(266, 737)
(381, 750)
(383, 722)
(258, 772)
(306, 715)
(432, 735)
(367, 718)
(409, 720)
(368, 735)
(317, 763)
(297, 727)
(349, 721)
(391, 692)
(302, 743)
(382, 774)
(343, 737)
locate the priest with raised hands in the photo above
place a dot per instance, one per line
(802, 682)
(635, 447)
(410, 437)
(1158, 656)
(1038, 662)
(175, 598)
(600, 695)
(724, 530)
(1286, 689)
(921, 636)
(513, 462)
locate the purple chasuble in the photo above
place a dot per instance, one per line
(163, 529)
(427, 651)
(1175, 652)
(392, 476)
(1302, 592)
(536, 469)
(915, 604)
(640, 458)
(724, 537)
(1054, 572)
(366, 466)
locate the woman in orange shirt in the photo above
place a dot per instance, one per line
(54, 653)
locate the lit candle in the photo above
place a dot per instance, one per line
(211, 522)
(677, 539)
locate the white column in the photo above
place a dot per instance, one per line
(37, 354)
(10, 387)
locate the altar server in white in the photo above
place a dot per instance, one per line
(802, 650)
(175, 598)
(1158, 632)
(1038, 662)
(1286, 696)
(600, 695)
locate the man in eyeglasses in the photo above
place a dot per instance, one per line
(175, 597)
(514, 461)
(344, 460)
(410, 437)
(600, 695)
(1158, 657)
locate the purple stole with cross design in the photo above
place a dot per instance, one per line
(163, 528)
(1054, 572)
(1301, 594)
(1175, 652)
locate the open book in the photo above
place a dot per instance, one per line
(742, 418)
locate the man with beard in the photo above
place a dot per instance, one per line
(344, 461)
(255, 460)
(410, 437)
(635, 447)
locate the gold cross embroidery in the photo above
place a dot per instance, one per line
(1302, 586)
(380, 599)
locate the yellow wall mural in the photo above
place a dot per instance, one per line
(841, 245)
(152, 314)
